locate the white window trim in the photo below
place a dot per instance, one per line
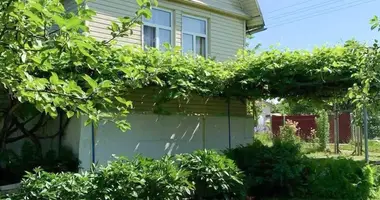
(196, 34)
(157, 27)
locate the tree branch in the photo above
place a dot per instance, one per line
(38, 124)
(59, 132)
(3, 20)
(32, 136)
(126, 28)
(59, 94)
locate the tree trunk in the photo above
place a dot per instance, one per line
(7, 124)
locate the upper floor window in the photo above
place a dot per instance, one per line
(158, 29)
(194, 35)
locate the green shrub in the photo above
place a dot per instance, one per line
(270, 171)
(214, 175)
(164, 179)
(122, 179)
(340, 179)
(264, 137)
(49, 186)
(142, 178)
(323, 130)
(282, 171)
(288, 132)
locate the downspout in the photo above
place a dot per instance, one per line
(93, 142)
(229, 122)
(203, 132)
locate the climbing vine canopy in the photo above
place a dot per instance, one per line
(49, 58)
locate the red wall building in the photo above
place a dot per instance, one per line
(306, 123)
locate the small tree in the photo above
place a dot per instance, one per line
(49, 60)
(323, 129)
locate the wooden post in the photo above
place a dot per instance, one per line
(336, 130)
(365, 130)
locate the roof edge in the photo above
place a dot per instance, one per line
(214, 9)
(259, 26)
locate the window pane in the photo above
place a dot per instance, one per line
(194, 25)
(160, 17)
(149, 36)
(165, 37)
(187, 43)
(200, 46)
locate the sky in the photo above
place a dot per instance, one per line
(290, 23)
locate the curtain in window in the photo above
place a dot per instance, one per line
(201, 46)
(149, 36)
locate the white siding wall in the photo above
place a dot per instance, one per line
(226, 34)
(154, 136)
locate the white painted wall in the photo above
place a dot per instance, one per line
(154, 136)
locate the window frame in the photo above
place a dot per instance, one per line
(196, 34)
(157, 28)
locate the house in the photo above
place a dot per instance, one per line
(211, 28)
(263, 121)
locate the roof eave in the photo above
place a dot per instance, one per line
(214, 9)
(260, 26)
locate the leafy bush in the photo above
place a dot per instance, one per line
(288, 132)
(49, 186)
(323, 130)
(214, 175)
(142, 178)
(374, 125)
(264, 137)
(282, 170)
(120, 179)
(340, 179)
(165, 180)
(275, 170)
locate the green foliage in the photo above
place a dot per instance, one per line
(13, 166)
(373, 124)
(264, 137)
(214, 175)
(255, 108)
(42, 185)
(375, 23)
(284, 171)
(363, 93)
(288, 133)
(323, 130)
(340, 179)
(142, 178)
(277, 171)
(120, 179)
(50, 60)
(200, 175)
(297, 107)
(270, 171)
